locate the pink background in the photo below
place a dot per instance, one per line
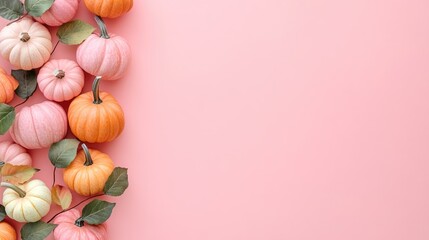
(272, 120)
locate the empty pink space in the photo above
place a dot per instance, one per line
(271, 120)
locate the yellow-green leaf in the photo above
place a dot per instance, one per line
(61, 196)
(74, 32)
(17, 174)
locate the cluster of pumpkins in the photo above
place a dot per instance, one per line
(93, 117)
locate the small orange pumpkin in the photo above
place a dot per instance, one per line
(7, 232)
(88, 172)
(96, 117)
(109, 8)
(8, 84)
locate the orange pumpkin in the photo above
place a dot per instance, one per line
(88, 172)
(96, 117)
(8, 84)
(7, 232)
(109, 8)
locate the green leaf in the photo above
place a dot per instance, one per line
(37, 230)
(62, 153)
(27, 82)
(2, 213)
(36, 8)
(7, 116)
(74, 32)
(117, 182)
(11, 9)
(97, 212)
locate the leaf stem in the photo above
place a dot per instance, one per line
(55, 47)
(19, 104)
(77, 205)
(18, 19)
(54, 177)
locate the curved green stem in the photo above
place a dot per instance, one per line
(102, 26)
(88, 158)
(96, 90)
(20, 192)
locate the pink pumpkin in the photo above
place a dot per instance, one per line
(60, 12)
(106, 55)
(14, 154)
(40, 125)
(68, 228)
(61, 80)
(25, 44)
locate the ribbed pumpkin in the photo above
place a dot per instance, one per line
(60, 80)
(60, 12)
(8, 84)
(69, 228)
(96, 117)
(25, 44)
(106, 55)
(109, 8)
(28, 202)
(14, 154)
(88, 172)
(40, 125)
(7, 232)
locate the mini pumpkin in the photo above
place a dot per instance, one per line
(106, 55)
(61, 80)
(7, 232)
(14, 154)
(8, 84)
(96, 117)
(40, 125)
(25, 44)
(28, 202)
(88, 172)
(109, 8)
(70, 227)
(60, 12)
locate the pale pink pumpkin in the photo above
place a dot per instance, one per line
(106, 55)
(68, 228)
(25, 44)
(60, 12)
(14, 154)
(60, 80)
(40, 125)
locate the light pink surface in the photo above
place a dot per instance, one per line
(272, 120)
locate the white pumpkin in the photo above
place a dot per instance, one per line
(28, 202)
(26, 44)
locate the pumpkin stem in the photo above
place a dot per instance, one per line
(102, 26)
(96, 90)
(20, 192)
(88, 158)
(79, 222)
(25, 37)
(59, 74)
